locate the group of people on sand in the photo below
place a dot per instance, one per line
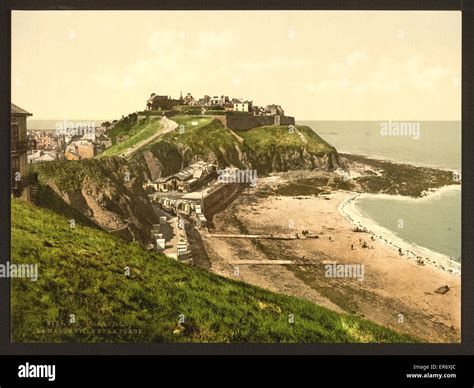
(364, 244)
(361, 228)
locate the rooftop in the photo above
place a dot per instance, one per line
(17, 111)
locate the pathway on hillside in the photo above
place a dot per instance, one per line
(167, 126)
(302, 136)
(223, 121)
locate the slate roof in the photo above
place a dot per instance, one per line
(17, 111)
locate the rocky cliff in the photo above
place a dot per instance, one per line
(107, 191)
(265, 149)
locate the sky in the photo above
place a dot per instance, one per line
(319, 65)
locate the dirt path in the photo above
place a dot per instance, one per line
(167, 126)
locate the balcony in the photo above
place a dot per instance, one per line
(19, 146)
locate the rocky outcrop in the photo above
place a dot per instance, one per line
(299, 159)
(108, 191)
(167, 158)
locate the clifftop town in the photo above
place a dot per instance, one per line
(226, 103)
(235, 113)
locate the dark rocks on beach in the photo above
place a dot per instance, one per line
(442, 290)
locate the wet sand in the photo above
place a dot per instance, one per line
(412, 251)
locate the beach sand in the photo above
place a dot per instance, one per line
(396, 291)
(438, 260)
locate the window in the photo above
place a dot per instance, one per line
(15, 134)
(15, 165)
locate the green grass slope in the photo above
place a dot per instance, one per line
(196, 138)
(280, 138)
(69, 175)
(203, 136)
(266, 149)
(82, 272)
(136, 132)
(97, 191)
(284, 148)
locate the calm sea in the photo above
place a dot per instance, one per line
(434, 221)
(53, 124)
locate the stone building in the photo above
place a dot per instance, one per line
(189, 100)
(274, 110)
(19, 150)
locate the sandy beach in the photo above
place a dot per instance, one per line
(396, 292)
(348, 208)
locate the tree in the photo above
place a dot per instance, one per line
(106, 124)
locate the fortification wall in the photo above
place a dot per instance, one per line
(219, 199)
(242, 123)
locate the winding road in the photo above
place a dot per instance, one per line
(167, 126)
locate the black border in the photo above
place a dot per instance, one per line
(467, 311)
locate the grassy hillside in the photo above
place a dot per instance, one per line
(266, 149)
(135, 133)
(196, 138)
(122, 127)
(107, 192)
(203, 136)
(284, 148)
(274, 138)
(68, 175)
(81, 272)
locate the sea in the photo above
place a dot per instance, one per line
(50, 125)
(434, 221)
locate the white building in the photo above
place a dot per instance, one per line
(242, 106)
(41, 156)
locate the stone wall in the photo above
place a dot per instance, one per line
(242, 123)
(220, 198)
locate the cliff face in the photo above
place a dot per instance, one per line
(154, 163)
(296, 159)
(265, 149)
(157, 165)
(107, 191)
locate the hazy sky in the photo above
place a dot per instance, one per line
(317, 65)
